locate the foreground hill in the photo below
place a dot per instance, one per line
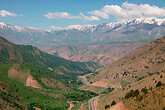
(143, 62)
(153, 99)
(30, 78)
(141, 69)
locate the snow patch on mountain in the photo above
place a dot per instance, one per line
(80, 27)
(116, 26)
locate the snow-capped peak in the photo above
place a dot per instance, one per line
(104, 26)
(146, 20)
(2, 24)
(80, 27)
(10, 26)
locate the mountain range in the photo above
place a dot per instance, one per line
(88, 43)
(127, 31)
(33, 79)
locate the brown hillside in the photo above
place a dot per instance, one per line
(102, 54)
(141, 63)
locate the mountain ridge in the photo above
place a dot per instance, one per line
(33, 56)
(131, 30)
(93, 27)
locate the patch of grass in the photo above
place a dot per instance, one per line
(124, 83)
(76, 106)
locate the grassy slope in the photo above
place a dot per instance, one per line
(56, 89)
(15, 95)
(10, 52)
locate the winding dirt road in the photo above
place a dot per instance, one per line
(91, 102)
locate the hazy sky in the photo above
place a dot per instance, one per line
(47, 14)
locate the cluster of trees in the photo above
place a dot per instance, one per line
(135, 93)
(132, 93)
(80, 95)
(108, 106)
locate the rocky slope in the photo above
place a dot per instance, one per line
(142, 68)
(143, 62)
(102, 54)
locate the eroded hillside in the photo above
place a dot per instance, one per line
(143, 62)
(102, 54)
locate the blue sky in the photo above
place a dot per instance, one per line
(44, 14)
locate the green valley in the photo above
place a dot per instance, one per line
(30, 78)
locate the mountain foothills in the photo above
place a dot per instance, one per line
(102, 54)
(132, 30)
(30, 78)
(140, 70)
(33, 56)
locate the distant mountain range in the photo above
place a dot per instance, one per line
(126, 31)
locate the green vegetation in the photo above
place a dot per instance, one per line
(32, 56)
(144, 90)
(19, 96)
(132, 93)
(124, 83)
(76, 106)
(159, 84)
(113, 103)
(107, 106)
(107, 90)
(55, 91)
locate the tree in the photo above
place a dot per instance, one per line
(144, 90)
(136, 93)
(159, 84)
(164, 108)
(107, 107)
(113, 103)
(110, 89)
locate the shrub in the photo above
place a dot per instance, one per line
(129, 94)
(164, 108)
(144, 90)
(132, 93)
(139, 98)
(113, 103)
(159, 84)
(110, 89)
(136, 93)
(107, 107)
